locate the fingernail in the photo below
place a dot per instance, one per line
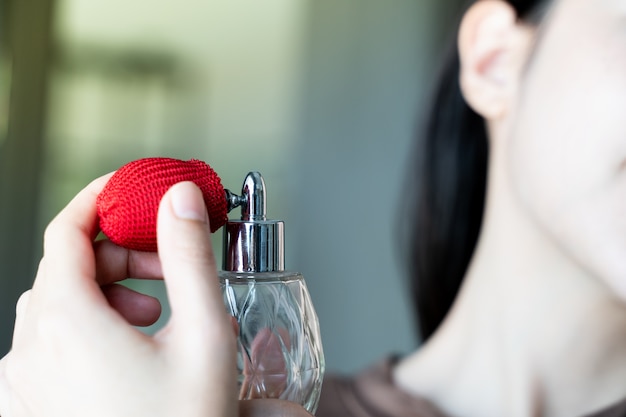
(188, 203)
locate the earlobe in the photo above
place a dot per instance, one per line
(493, 48)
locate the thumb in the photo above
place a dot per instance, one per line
(188, 264)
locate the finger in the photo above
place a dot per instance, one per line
(235, 326)
(266, 367)
(138, 309)
(188, 263)
(271, 408)
(115, 263)
(20, 314)
(68, 250)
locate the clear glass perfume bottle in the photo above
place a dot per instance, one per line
(279, 347)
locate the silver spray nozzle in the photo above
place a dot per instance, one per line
(253, 243)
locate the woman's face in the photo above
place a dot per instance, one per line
(567, 148)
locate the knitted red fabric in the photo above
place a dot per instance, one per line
(128, 204)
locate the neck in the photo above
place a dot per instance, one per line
(531, 333)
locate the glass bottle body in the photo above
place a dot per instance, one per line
(279, 350)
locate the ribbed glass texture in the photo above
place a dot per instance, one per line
(279, 348)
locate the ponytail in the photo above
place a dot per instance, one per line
(450, 173)
(447, 184)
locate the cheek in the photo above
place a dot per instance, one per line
(570, 145)
(566, 156)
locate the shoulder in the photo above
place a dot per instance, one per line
(618, 410)
(370, 393)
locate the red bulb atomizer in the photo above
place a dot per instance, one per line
(279, 349)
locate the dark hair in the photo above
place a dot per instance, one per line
(448, 179)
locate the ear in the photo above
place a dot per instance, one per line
(493, 49)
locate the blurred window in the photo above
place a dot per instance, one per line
(213, 80)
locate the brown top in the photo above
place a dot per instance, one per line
(373, 394)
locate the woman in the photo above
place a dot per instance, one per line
(539, 323)
(538, 326)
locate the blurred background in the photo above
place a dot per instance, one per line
(321, 96)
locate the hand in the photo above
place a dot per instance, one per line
(74, 352)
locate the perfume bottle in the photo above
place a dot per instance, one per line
(279, 348)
